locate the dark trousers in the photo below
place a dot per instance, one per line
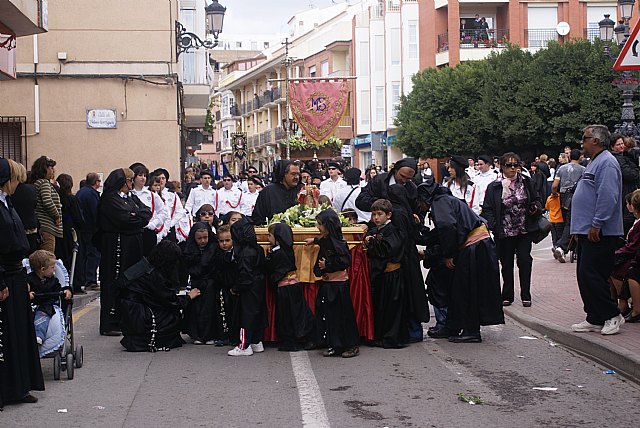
(557, 229)
(520, 248)
(87, 262)
(595, 263)
(563, 242)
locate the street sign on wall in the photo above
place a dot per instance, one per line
(629, 58)
(101, 118)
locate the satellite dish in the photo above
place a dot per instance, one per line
(563, 28)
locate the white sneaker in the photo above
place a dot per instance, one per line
(257, 347)
(586, 326)
(197, 342)
(38, 340)
(559, 255)
(613, 325)
(237, 352)
(210, 342)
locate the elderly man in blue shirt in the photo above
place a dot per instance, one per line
(596, 220)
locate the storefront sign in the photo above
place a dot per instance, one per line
(101, 118)
(346, 151)
(364, 141)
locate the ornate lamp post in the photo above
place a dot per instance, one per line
(186, 40)
(608, 29)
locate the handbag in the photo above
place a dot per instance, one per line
(544, 227)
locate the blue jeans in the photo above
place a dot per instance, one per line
(41, 323)
(441, 317)
(87, 262)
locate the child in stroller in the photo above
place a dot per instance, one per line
(44, 284)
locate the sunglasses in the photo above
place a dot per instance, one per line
(332, 167)
(511, 165)
(204, 213)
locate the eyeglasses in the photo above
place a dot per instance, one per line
(511, 165)
(206, 213)
(332, 167)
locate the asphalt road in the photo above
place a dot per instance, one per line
(413, 387)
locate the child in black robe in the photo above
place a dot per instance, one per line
(42, 280)
(384, 245)
(249, 286)
(198, 258)
(226, 272)
(334, 309)
(294, 321)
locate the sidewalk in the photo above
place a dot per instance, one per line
(81, 300)
(557, 304)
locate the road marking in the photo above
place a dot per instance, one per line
(81, 312)
(314, 413)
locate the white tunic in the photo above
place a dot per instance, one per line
(248, 202)
(228, 200)
(198, 197)
(482, 181)
(341, 203)
(330, 188)
(178, 216)
(160, 215)
(469, 195)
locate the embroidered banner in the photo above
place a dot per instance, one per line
(317, 106)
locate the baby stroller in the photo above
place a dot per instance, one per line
(60, 343)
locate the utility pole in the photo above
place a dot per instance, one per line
(287, 63)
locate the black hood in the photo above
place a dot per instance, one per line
(329, 218)
(5, 171)
(114, 181)
(410, 162)
(243, 233)
(191, 246)
(280, 170)
(284, 235)
(428, 190)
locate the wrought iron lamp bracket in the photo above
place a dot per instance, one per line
(186, 41)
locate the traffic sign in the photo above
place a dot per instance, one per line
(629, 58)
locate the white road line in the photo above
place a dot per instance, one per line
(314, 413)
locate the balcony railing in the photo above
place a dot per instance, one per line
(591, 34)
(393, 6)
(470, 39)
(276, 93)
(234, 110)
(280, 135)
(248, 106)
(443, 42)
(250, 141)
(540, 38)
(266, 137)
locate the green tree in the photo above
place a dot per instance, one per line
(513, 100)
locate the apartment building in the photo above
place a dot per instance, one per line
(18, 19)
(386, 43)
(251, 92)
(453, 35)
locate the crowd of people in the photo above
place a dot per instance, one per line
(182, 257)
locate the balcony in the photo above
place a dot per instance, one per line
(24, 17)
(393, 6)
(234, 111)
(250, 141)
(443, 42)
(280, 134)
(540, 38)
(266, 137)
(591, 34)
(480, 39)
(248, 108)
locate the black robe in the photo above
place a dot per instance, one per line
(249, 283)
(20, 370)
(336, 318)
(391, 325)
(149, 309)
(225, 272)
(403, 208)
(119, 238)
(201, 318)
(294, 320)
(475, 297)
(274, 199)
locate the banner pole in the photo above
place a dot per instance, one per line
(287, 64)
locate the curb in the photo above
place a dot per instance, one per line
(589, 345)
(81, 300)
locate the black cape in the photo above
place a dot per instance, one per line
(403, 199)
(274, 199)
(20, 370)
(391, 325)
(149, 309)
(119, 238)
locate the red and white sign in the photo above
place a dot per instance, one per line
(629, 58)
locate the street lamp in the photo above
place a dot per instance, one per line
(186, 40)
(626, 9)
(606, 28)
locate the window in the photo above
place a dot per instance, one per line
(13, 138)
(312, 71)
(364, 59)
(394, 41)
(379, 103)
(187, 17)
(378, 52)
(542, 25)
(395, 98)
(594, 15)
(254, 46)
(413, 40)
(365, 107)
(324, 68)
(266, 45)
(238, 45)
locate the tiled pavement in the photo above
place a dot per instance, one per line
(556, 304)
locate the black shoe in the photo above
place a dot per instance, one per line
(415, 339)
(92, 286)
(111, 333)
(331, 352)
(466, 338)
(310, 345)
(440, 333)
(29, 399)
(288, 347)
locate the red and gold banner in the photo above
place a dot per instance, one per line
(317, 106)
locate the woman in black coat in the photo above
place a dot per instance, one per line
(72, 220)
(630, 174)
(121, 217)
(512, 208)
(20, 370)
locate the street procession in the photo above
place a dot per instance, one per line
(349, 213)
